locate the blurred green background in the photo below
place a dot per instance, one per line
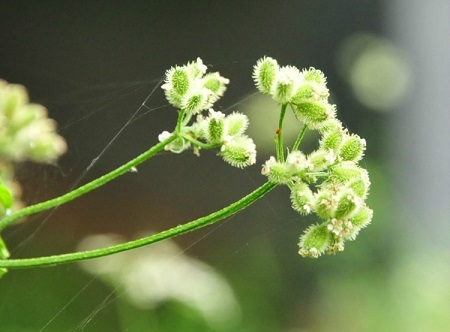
(93, 64)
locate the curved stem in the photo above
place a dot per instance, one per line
(299, 138)
(280, 148)
(170, 233)
(32, 209)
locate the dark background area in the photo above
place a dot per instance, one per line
(93, 65)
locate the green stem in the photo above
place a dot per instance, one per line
(280, 148)
(197, 143)
(32, 209)
(170, 233)
(181, 117)
(299, 138)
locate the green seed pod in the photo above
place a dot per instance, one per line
(180, 81)
(240, 152)
(216, 84)
(346, 171)
(280, 173)
(352, 148)
(348, 204)
(362, 218)
(332, 139)
(315, 241)
(236, 124)
(198, 101)
(360, 186)
(286, 84)
(321, 159)
(302, 198)
(326, 203)
(304, 93)
(265, 74)
(313, 113)
(314, 75)
(216, 130)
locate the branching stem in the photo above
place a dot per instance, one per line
(170, 233)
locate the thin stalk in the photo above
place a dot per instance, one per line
(199, 144)
(280, 148)
(170, 233)
(32, 209)
(299, 138)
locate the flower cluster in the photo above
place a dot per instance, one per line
(192, 90)
(189, 87)
(327, 182)
(26, 133)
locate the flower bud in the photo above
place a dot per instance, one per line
(352, 149)
(302, 198)
(265, 74)
(236, 124)
(315, 241)
(239, 152)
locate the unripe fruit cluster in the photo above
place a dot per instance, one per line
(327, 182)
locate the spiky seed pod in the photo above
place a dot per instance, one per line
(321, 159)
(314, 113)
(286, 84)
(265, 74)
(352, 148)
(236, 123)
(302, 198)
(315, 241)
(239, 152)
